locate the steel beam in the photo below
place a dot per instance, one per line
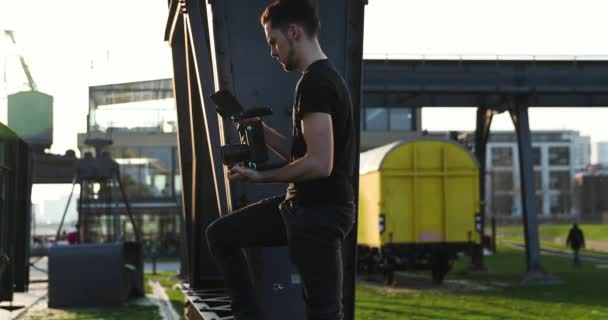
(482, 134)
(353, 70)
(426, 83)
(201, 53)
(519, 115)
(184, 138)
(204, 200)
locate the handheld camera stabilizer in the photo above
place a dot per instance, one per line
(252, 149)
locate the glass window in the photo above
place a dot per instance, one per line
(3, 152)
(559, 156)
(158, 177)
(362, 119)
(376, 119)
(502, 181)
(122, 152)
(560, 203)
(400, 119)
(536, 156)
(147, 172)
(142, 116)
(559, 180)
(502, 156)
(538, 180)
(177, 179)
(539, 204)
(502, 205)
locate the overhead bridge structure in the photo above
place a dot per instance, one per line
(493, 86)
(467, 83)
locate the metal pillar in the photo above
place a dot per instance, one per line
(203, 193)
(205, 206)
(482, 134)
(184, 138)
(519, 115)
(353, 74)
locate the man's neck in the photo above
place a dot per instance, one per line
(310, 54)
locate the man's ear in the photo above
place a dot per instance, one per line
(294, 31)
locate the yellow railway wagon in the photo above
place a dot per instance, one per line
(418, 203)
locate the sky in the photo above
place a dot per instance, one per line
(72, 44)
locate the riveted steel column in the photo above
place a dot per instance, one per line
(519, 115)
(353, 75)
(202, 201)
(184, 134)
(482, 134)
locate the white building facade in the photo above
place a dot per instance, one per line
(556, 155)
(602, 153)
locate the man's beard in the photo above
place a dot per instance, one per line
(290, 63)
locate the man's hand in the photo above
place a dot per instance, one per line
(241, 173)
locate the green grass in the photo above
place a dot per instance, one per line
(583, 294)
(127, 312)
(168, 280)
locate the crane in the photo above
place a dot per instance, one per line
(26, 68)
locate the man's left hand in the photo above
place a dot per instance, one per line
(239, 172)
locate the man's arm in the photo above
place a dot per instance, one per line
(317, 163)
(277, 142)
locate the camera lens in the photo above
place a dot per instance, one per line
(234, 153)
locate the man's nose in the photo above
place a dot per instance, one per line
(273, 53)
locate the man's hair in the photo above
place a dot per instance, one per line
(281, 13)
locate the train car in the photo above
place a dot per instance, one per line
(418, 203)
(15, 204)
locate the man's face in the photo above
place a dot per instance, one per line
(281, 46)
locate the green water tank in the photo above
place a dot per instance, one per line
(30, 115)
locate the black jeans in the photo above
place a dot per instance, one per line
(314, 239)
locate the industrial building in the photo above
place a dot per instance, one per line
(556, 155)
(138, 121)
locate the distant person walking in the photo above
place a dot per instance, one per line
(576, 241)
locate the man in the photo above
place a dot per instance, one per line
(317, 212)
(576, 241)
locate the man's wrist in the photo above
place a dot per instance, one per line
(265, 176)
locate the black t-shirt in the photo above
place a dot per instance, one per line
(322, 89)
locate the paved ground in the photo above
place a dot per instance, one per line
(36, 297)
(600, 258)
(37, 292)
(589, 244)
(597, 245)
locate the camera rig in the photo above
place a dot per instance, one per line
(252, 150)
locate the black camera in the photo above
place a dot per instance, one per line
(252, 148)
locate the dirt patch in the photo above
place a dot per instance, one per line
(412, 283)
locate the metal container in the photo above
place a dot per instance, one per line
(15, 191)
(30, 115)
(418, 202)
